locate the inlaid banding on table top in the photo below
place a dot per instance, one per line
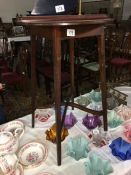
(64, 19)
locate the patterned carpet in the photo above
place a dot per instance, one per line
(17, 104)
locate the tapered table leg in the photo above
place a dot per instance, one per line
(33, 77)
(57, 88)
(101, 51)
(71, 50)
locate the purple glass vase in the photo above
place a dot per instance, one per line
(70, 120)
(91, 122)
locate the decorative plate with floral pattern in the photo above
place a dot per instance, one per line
(32, 154)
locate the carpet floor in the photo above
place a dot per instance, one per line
(18, 104)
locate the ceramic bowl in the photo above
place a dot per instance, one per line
(6, 139)
(8, 143)
(32, 154)
(12, 126)
(42, 115)
(8, 163)
(18, 171)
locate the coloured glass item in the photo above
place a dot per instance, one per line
(51, 134)
(121, 149)
(83, 100)
(91, 122)
(70, 120)
(97, 166)
(97, 106)
(124, 111)
(127, 131)
(78, 147)
(114, 119)
(95, 96)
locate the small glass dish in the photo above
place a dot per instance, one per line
(97, 166)
(70, 120)
(95, 96)
(127, 131)
(83, 100)
(78, 147)
(91, 122)
(114, 120)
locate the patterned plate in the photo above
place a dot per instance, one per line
(19, 170)
(32, 154)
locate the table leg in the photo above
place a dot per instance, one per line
(57, 88)
(33, 77)
(101, 51)
(71, 49)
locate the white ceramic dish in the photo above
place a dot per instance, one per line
(8, 163)
(32, 154)
(19, 170)
(5, 138)
(8, 142)
(12, 126)
(42, 115)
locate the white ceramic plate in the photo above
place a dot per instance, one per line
(32, 154)
(12, 126)
(19, 170)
